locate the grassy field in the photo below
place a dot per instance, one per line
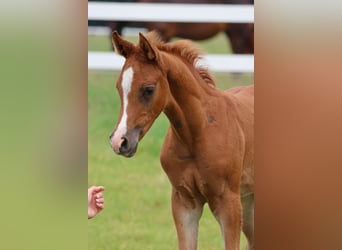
(138, 208)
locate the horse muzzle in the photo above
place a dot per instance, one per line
(125, 144)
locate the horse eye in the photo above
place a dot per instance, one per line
(148, 91)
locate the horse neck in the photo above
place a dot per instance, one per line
(188, 96)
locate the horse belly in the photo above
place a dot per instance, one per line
(194, 31)
(198, 31)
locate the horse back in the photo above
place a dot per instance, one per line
(242, 91)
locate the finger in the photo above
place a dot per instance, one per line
(91, 189)
(100, 205)
(99, 200)
(99, 188)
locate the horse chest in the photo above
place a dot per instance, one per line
(190, 180)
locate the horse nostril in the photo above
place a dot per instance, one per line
(124, 145)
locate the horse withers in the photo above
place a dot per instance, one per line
(208, 151)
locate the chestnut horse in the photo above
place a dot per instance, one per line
(208, 150)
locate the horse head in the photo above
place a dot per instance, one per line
(142, 87)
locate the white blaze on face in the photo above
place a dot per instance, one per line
(126, 84)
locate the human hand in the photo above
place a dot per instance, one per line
(95, 200)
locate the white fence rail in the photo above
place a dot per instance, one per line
(172, 13)
(214, 13)
(219, 63)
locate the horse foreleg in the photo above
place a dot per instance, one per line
(248, 219)
(228, 212)
(186, 214)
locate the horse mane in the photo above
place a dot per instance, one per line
(185, 49)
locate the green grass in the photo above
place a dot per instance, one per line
(137, 196)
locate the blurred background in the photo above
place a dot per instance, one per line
(44, 132)
(138, 207)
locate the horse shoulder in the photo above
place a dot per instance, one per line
(173, 153)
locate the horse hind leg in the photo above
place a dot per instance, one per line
(248, 220)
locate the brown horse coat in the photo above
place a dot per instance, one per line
(208, 150)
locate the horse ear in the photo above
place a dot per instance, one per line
(122, 47)
(147, 47)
